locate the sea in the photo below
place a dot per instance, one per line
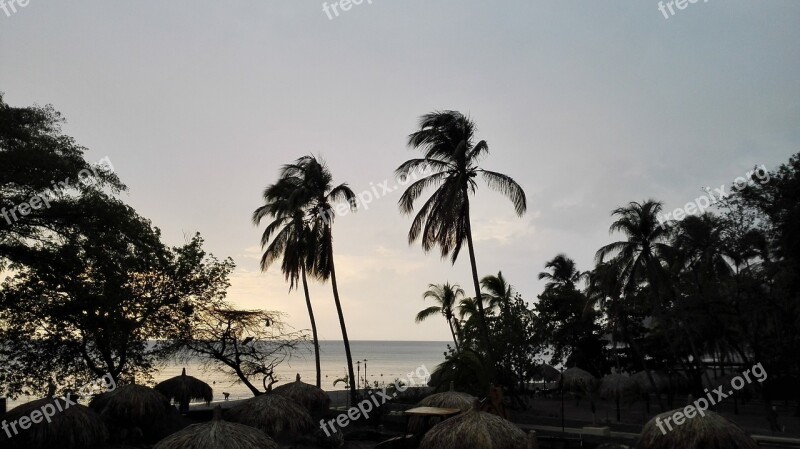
(374, 361)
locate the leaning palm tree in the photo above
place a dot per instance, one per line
(447, 139)
(563, 272)
(499, 293)
(446, 296)
(313, 191)
(288, 237)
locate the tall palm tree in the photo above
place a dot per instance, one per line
(499, 293)
(314, 189)
(447, 297)
(447, 140)
(564, 272)
(290, 241)
(639, 259)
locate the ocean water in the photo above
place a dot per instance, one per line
(385, 362)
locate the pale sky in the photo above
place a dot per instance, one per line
(587, 104)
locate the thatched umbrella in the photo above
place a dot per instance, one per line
(135, 411)
(645, 387)
(276, 415)
(476, 430)
(217, 434)
(578, 380)
(314, 399)
(448, 399)
(699, 432)
(582, 382)
(183, 389)
(619, 387)
(74, 427)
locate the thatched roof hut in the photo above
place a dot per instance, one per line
(709, 431)
(217, 434)
(131, 404)
(314, 399)
(476, 430)
(135, 412)
(183, 389)
(276, 415)
(448, 399)
(74, 427)
(578, 380)
(618, 386)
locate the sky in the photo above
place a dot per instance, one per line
(587, 104)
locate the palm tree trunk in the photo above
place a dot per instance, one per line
(641, 358)
(313, 327)
(478, 299)
(453, 332)
(350, 372)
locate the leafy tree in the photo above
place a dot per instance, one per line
(46, 186)
(241, 344)
(106, 296)
(447, 139)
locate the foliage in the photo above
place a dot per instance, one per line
(241, 344)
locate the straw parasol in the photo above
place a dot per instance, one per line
(276, 415)
(217, 434)
(476, 430)
(75, 427)
(578, 380)
(448, 399)
(183, 389)
(314, 399)
(711, 430)
(131, 404)
(582, 382)
(618, 387)
(135, 411)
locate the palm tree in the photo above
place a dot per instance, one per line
(447, 140)
(312, 184)
(499, 293)
(639, 259)
(564, 273)
(291, 242)
(447, 296)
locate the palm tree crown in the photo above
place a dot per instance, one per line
(563, 272)
(639, 258)
(447, 140)
(447, 297)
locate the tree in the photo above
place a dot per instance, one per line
(499, 293)
(565, 322)
(640, 258)
(241, 343)
(291, 240)
(313, 192)
(447, 296)
(446, 139)
(46, 186)
(105, 298)
(564, 272)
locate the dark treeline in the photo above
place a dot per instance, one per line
(90, 284)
